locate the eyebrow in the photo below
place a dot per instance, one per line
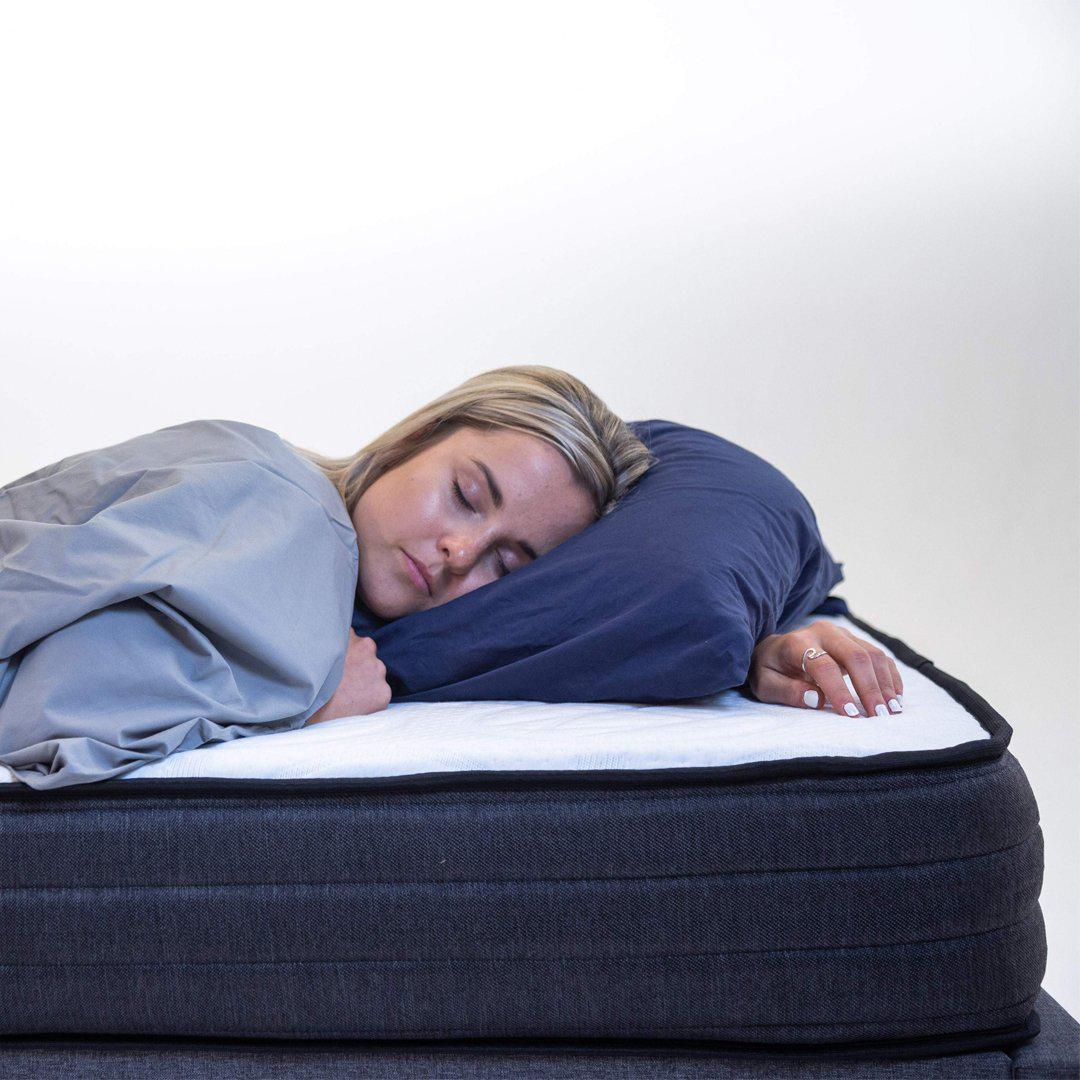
(497, 499)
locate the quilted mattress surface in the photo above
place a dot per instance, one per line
(701, 874)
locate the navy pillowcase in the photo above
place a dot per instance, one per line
(661, 600)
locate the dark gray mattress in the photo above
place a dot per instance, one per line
(882, 906)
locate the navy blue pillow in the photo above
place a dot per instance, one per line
(662, 599)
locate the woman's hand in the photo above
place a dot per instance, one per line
(776, 671)
(363, 688)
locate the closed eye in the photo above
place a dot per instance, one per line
(461, 499)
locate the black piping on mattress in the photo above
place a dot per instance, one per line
(571, 779)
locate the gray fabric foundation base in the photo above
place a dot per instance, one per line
(1052, 1055)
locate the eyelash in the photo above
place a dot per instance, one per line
(461, 499)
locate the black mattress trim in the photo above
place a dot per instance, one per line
(570, 779)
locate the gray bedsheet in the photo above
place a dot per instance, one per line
(191, 585)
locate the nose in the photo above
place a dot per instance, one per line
(463, 549)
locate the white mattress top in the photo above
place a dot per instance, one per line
(727, 729)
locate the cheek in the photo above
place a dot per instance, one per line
(405, 511)
(381, 515)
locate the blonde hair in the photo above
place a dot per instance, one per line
(606, 456)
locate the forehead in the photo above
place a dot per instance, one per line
(519, 454)
(536, 481)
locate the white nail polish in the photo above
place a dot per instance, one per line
(811, 698)
(850, 709)
(880, 710)
(900, 698)
(895, 705)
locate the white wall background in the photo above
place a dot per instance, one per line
(843, 234)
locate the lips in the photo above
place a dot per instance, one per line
(417, 573)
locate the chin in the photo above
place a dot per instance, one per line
(383, 608)
(381, 598)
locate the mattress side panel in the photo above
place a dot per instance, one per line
(861, 820)
(850, 908)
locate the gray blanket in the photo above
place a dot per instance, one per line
(188, 586)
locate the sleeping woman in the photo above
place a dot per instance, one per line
(196, 584)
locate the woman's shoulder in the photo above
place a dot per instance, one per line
(200, 442)
(237, 441)
(221, 458)
(232, 436)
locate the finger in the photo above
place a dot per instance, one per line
(888, 674)
(825, 671)
(898, 683)
(883, 668)
(775, 688)
(841, 645)
(859, 665)
(893, 676)
(840, 641)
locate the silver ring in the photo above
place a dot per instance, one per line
(811, 654)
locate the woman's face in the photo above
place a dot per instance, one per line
(413, 511)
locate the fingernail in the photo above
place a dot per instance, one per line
(850, 709)
(895, 705)
(900, 698)
(881, 710)
(811, 698)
